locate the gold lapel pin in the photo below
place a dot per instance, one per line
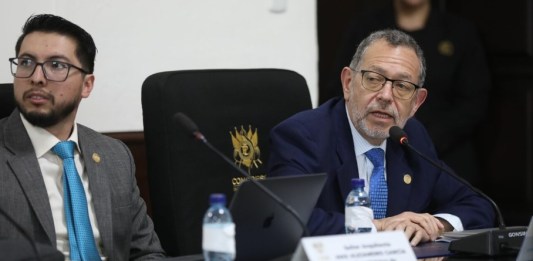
(446, 48)
(96, 157)
(407, 179)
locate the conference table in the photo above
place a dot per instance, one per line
(432, 251)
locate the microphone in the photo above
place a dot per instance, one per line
(491, 242)
(191, 127)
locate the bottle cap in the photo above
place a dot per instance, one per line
(358, 183)
(217, 198)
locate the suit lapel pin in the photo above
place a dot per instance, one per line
(96, 157)
(446, 48)
(407, 179)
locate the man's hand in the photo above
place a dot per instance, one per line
(417, 227)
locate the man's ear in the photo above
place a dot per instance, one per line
(420, 96)
(88, 84)
(347, 77)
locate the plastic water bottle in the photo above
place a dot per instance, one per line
(218, 232)
(358, 214)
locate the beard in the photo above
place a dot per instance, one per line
(376, 132)
(47, 119)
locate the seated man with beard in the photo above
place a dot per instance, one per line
(382, 88)
(68, 186)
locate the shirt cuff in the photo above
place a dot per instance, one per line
(453, 220)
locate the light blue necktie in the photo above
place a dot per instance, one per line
(378, 184)
(80, 233)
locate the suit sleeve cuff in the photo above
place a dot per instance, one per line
(453, 220)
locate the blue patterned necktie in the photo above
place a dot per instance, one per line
(378, 184)
(80, 234)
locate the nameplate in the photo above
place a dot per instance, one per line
(391, 245)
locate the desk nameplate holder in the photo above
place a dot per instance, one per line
(365, 246)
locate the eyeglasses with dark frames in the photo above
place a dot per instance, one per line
(374, 81)
(56, 71)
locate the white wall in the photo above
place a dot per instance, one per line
(136, 38)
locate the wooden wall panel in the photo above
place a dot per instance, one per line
(135, 142)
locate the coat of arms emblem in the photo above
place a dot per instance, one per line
(245, 148)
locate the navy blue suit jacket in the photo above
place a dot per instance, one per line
(320, 140)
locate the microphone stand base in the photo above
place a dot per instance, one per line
(492, 242)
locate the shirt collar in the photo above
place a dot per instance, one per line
(42, 140)
(361, 145)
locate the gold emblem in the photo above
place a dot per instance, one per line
(245, 148)
(407, 179)
(446, 48)
(96, 157)
(246, 152)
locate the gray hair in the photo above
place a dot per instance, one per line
(394, 38)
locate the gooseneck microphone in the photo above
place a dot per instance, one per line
(491, 242)
(191, 127)
(398, 135)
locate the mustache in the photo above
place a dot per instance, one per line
(387, 108)
(38, 91)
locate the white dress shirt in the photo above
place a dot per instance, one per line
(52, 170)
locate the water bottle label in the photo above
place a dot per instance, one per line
(219, 238)
(358, 219)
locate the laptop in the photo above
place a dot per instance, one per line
(264, 229)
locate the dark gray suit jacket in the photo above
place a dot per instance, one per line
(126, 230)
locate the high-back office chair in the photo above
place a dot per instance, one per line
(7, 100)
(235, 110)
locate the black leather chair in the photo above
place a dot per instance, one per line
(7, 100)
(235, 110)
